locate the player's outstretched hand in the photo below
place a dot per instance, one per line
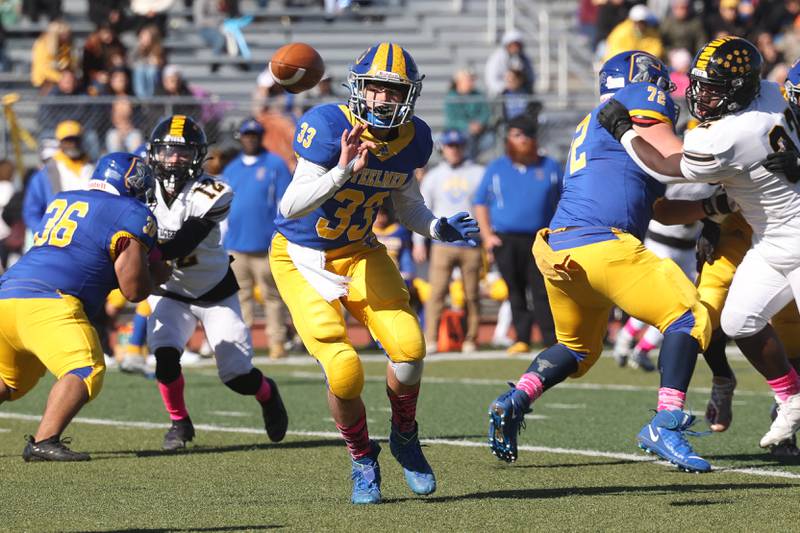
(459, 227)
(614, 117)
(786, 163)
(353, 147)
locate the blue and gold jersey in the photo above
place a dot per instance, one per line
(348, 215)
(603, 187)
(75, 246)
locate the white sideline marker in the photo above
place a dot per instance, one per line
(446, 442)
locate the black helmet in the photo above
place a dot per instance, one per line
(176, 151)
(725, 78)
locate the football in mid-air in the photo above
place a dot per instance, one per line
(297, 67)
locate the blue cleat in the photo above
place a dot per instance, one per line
(506, 421)
(366, 477)
(664, 436)
(406, 449)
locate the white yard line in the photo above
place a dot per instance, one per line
(438, 442)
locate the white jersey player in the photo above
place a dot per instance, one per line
(744, 120)
(189, 207)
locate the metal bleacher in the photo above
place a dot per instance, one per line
(442, 35)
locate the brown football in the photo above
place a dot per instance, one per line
(296, 67)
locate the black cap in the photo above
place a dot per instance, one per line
(526, 123)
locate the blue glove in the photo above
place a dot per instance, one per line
(459, 227)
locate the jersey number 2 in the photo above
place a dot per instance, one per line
(60, 227)
(578, 160)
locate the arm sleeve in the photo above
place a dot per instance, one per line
(412, 211)
(427, 190)
(311, 185)
(186, 239)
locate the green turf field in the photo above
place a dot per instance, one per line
(579, 469)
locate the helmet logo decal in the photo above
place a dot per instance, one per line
(176, 126)
(708, 51)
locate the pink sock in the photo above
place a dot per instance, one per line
(670, 399)
(404, 410)
(531, 384)
(785, 386)
(172, 394)
(645, 345)
(631, 329)
(357, 438)
(264, 391)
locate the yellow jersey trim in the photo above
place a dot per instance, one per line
(112, 250)
(383, 149)
(661, 117)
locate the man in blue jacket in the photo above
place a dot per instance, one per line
(259, 179)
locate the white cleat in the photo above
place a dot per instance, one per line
(786, 423)
(623, 346)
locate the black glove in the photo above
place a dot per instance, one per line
(718, 204)
(614, 117)
(786, 163)
(707, 243)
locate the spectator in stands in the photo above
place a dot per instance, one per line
(148, 12)
(609, 14)
(7, 190)
(123, 135)
(68, 169)
(680, 60)
(516, 198)
(726, 20)
(587, 18)
(102, 51)
(467, 110)
(683, 28)
(510, 55)
(770, 54)
(775, 16)
(449, 187)
(268, 108)
(789, 45)
(54, 108)
(33, 9)
(325, 91)
(208, 18)
(515, 97)
(148, 60)
(119, 82)
(52, 54)
(110, 12)
(638, 32)
(259, 179)
(173, 86)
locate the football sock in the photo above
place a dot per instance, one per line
(172, 394)
(715, 356)
(650, 340)
(633, 326)
(264, 391)
(404, 410)
(531, 385)
(670, 399)
(555, 364)
(677, 359)
(139, 334)
(357, 438)
(786, 385)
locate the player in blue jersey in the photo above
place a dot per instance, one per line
(324, 256)
(592, 258)
(88, 243)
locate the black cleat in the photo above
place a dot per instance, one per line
(52, 449)
(275, 418)
(179, 433)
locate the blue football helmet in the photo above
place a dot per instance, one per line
(123, 174)
(792, 83)
(384, 64)
(630, 67)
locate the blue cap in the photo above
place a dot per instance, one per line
(452, 137)
(251, 125)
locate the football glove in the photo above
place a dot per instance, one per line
(717, 204)
(459, 227)
(614, 117)
(707, 243)
(786, 163)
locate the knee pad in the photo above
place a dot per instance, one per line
(345, 375)
(737, 324)
(168, 364)
(246, 384)
(408, 373)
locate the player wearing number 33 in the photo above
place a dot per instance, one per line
(324, 256)
(189, 207)
(744, 120)
(592, 258)
(88, 243)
